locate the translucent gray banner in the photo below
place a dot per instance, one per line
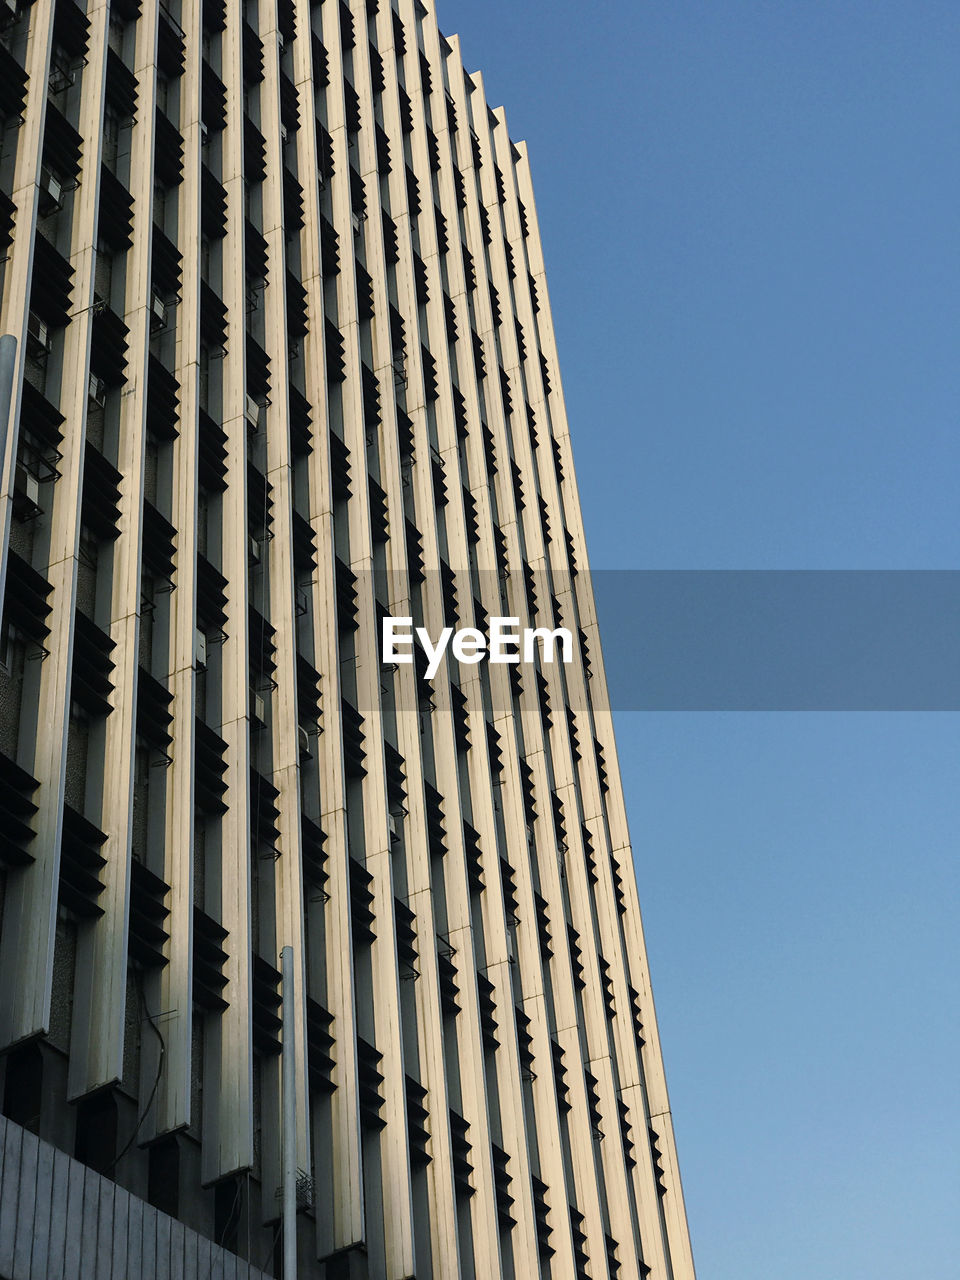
(702, 640)
(781, 640)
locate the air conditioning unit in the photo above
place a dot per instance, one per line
(158, 313)
(38, 335)
(283, 132)
(26, 487)
(199, 650)
(258, 708)
(303, 741)
(253, 545)
(393, 823)
(51, 192)
(96, 391)
(357, 220)
(9, 11)
(252, 413)
(204, 133)
(281, 43)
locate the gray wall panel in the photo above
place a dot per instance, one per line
(148, 1268)
(190, 1271)
(87, 1224)
(205, 1267)
(134, 1236)
(57, 1217)
(61, 1221)
(9, 1201)
(71, 1212)
(177, 1235)
(40, 1252)
(103, 1259)
(27, 1205)
(163, 1244)
(121, 1219)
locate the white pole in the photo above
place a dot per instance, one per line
(8, 362)
(289, 1138)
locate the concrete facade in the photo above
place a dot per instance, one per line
(285, 366)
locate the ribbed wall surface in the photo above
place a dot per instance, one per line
(61, 1221)
(286, 365)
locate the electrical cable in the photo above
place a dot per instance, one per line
(148, 1016)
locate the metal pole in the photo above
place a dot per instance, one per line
(8, 363)
(289, 1138)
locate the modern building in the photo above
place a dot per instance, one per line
(285, 367)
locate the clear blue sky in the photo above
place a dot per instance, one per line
(750, 216)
